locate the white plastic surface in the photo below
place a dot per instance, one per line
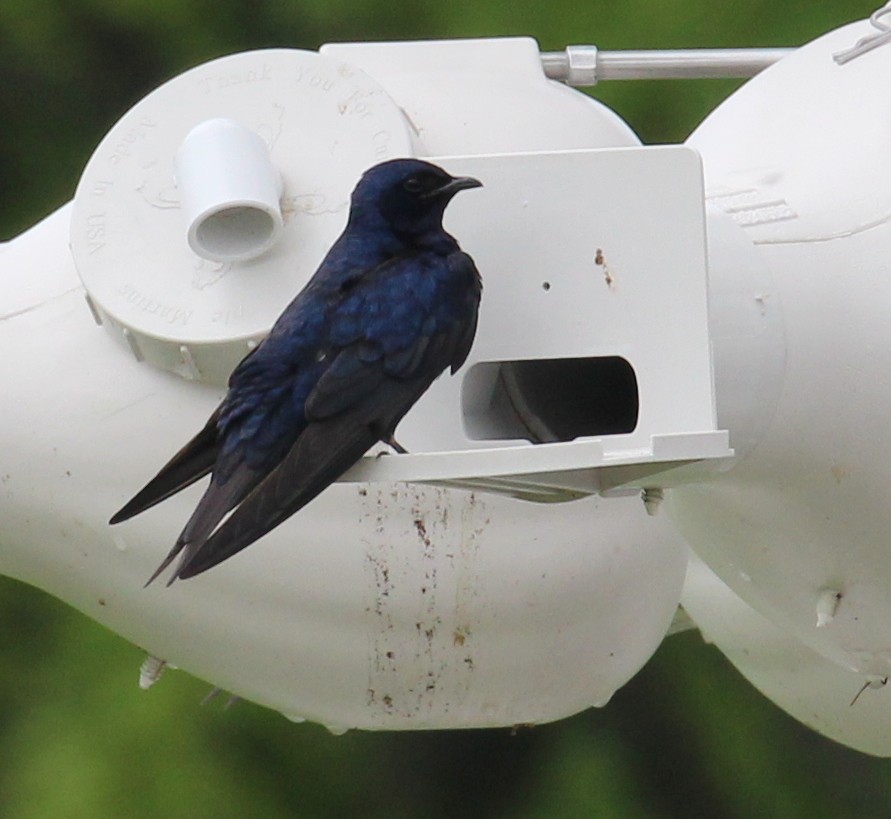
(799, 160)
(323, 124)
(584, 254)
(380, 606)
(461, 99)
(229, 191)
(747, 336)
(384, 606)
(631, 251)
(814, 690)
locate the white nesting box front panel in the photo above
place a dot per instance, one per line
(588, 253)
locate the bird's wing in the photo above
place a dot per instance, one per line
(389, 339)
(322, 453)
(371, 383)
(396, 326)
(190, 464)
(247, 455)
(218, 499)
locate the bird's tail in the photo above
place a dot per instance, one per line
(216, 502)
(322, 453)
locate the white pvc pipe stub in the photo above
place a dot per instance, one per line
(229, 191)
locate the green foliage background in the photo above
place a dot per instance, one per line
(686, 738)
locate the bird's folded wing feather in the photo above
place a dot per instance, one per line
(191, 463)
(372, 381)
(322, 453)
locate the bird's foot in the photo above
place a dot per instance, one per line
(395, 445)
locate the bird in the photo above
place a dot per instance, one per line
(393, 304)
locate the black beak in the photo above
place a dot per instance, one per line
(458, 183)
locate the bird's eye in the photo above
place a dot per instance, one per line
(413, 184)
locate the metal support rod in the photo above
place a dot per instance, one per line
(582, 65)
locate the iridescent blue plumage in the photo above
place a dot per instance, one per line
(392, 305)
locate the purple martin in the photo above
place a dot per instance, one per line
(392, 305)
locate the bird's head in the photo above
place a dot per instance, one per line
(407, 195)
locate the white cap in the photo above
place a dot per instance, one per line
(229, 191)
